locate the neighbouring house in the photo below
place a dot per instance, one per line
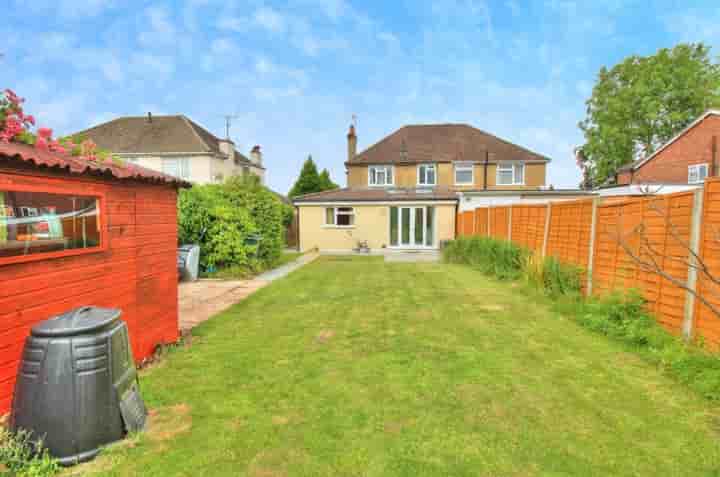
(403, 192)
(681, 163)
(77, 232)
(177, 146)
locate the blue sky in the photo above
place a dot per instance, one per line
(295, 72)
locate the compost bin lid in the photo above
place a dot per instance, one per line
(77, 322)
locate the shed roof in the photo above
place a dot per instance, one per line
(77, 165)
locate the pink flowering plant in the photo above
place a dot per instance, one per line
(16, 126)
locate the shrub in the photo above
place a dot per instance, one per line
(499, 258)
(25, 457)
(551, 276)
(223, 218)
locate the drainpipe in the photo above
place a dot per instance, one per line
(485, 167)
(713, 170)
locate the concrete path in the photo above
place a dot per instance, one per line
(200, 300)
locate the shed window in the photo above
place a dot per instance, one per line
(340, 216)
(39, 223)
(697, 173)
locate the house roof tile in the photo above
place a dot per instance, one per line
(442, 143)
(367, 194)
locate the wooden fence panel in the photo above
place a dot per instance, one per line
(569, 235)
(468, 223)
(481, 221)
(707, 323)
(646, 231)
(528, 225)
(499, 217)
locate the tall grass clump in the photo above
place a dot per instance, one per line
(551, 276)
(624, 318)
(24, 456)
(499, 258)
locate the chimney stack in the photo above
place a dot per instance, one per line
(352, 143)
(227, 148)
(149, 118)
(256, 155)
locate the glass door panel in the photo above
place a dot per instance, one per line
(405, 226)
(429, 226)
(419, 227)
(394, 226)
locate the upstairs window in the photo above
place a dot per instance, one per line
(511, 174)
(464, 174)
(339, 216)
(35, 224)
(380, 175)
(427, 175)
(177, 167)
(697, 173)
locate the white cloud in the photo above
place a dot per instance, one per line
(693, 26)
(270, 20)
(151, 66)
(275, 94)
(161, 30)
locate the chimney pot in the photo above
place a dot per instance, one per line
(352, 143)
(256, 155)
(149, 117)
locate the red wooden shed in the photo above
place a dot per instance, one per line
(75, 232)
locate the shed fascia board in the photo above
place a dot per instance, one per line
(704, 116)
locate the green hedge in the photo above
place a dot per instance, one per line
(223, 219)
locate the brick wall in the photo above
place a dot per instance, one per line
(693, 147)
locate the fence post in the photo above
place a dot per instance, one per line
(509, 230)
(591, 248)
(488, 224)
(695, 231)
(546, 232)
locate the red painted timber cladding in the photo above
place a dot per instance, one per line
(137, 273)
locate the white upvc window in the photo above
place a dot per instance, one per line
(427, 175)
(510, 173)
(380, 175)
(339, 217)
(697, 173)
(464, 173)
(177, 167)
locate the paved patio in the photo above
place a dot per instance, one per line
(200, 300)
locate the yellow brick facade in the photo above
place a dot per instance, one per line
(372, 224)
(406, 176)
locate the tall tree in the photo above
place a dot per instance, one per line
(308, 181)
(326, 182)
(641, 103)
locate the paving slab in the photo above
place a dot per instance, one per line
(200, 300)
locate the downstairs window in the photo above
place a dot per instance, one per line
(339, 216)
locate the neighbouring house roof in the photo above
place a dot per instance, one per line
(640, 162)
(157, 134)
(366, 194)
(442, 143)
(76, 165)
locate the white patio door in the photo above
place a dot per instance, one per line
(412, 227)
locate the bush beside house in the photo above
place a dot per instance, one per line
(225, 219)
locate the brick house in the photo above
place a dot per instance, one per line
(686, 159)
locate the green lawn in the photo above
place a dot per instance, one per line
(355, 367)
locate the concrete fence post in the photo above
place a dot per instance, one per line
(509, 230)
(591, 248)
(487, 225)
(695, 233)
(546, 232)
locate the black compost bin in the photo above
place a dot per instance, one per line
(77, 384)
